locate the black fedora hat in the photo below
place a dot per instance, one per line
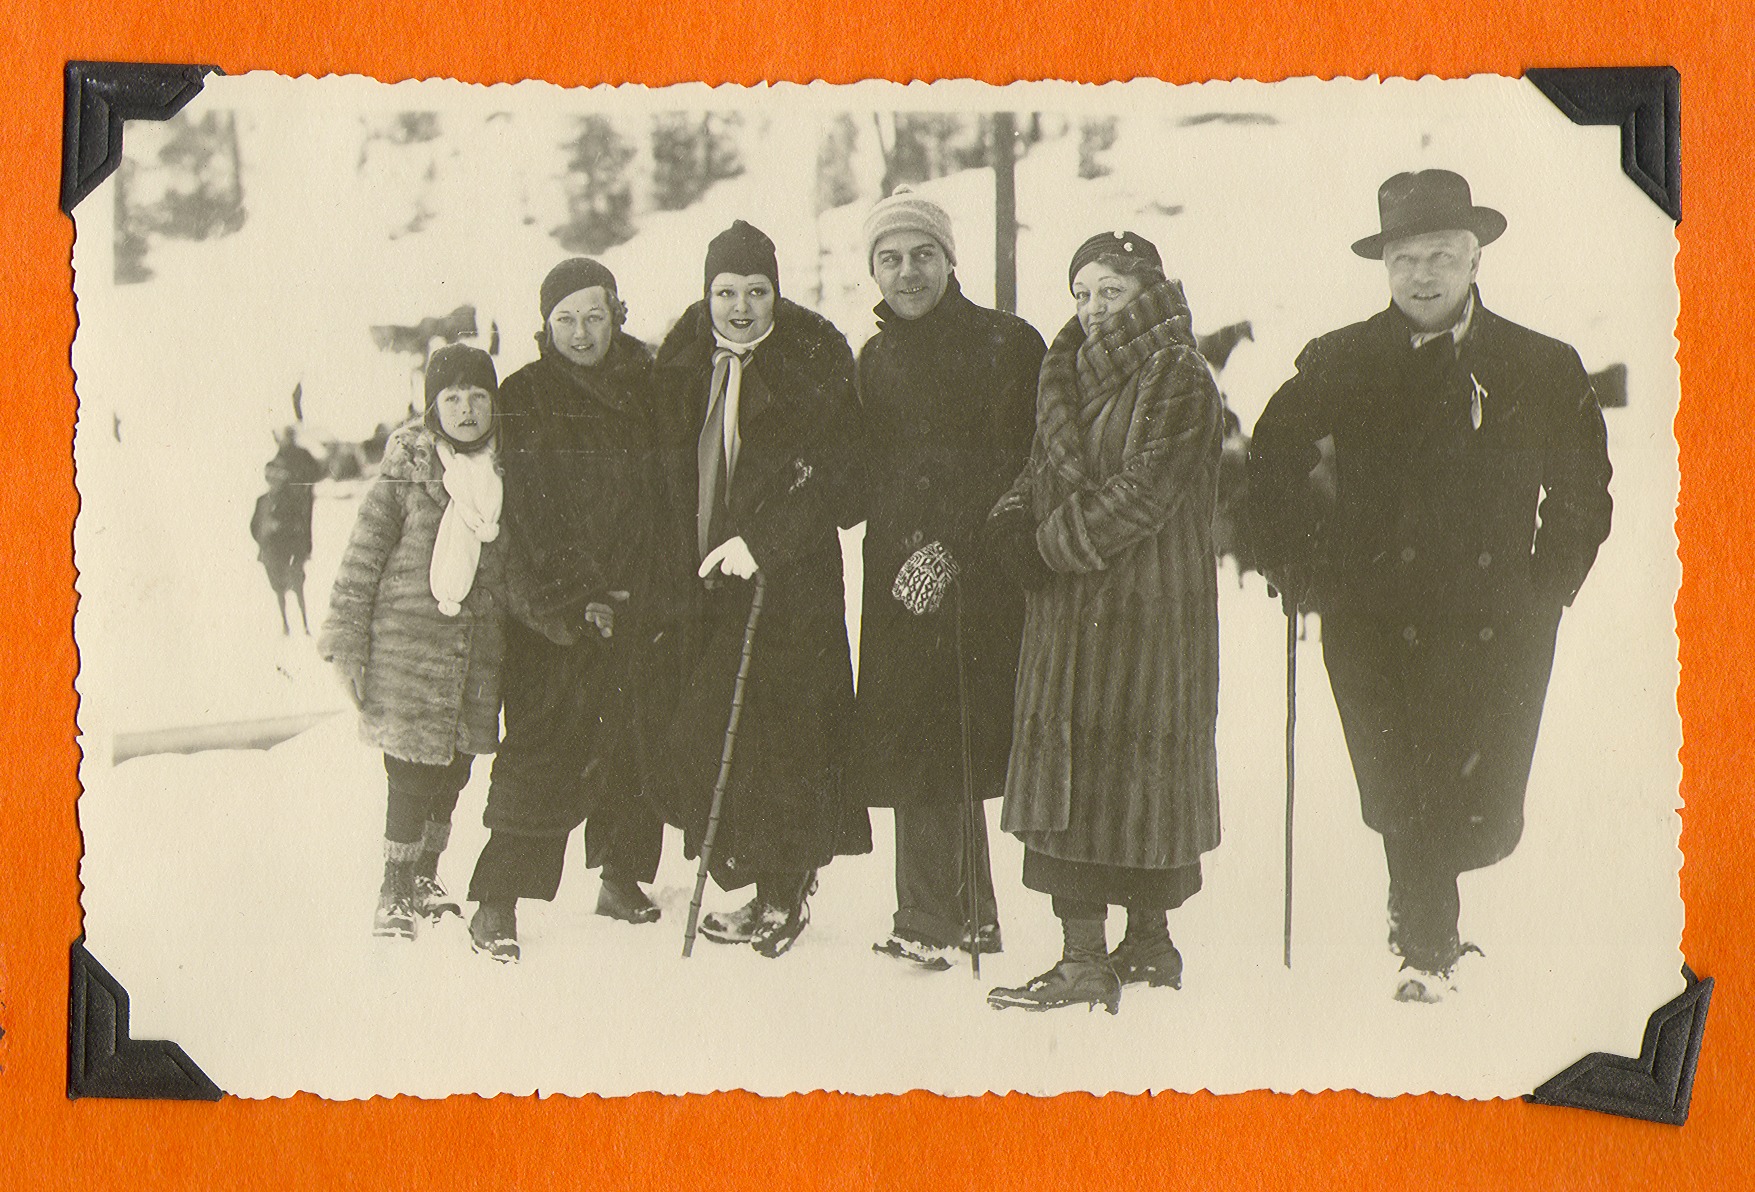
(1429, 201)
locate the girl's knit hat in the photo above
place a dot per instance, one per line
(460, 364)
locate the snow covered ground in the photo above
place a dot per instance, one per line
(231, 892)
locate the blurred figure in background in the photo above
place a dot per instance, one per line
(281, 523)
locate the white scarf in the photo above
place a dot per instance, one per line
(734, 391)
(471, 518)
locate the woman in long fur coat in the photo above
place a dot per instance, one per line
(760, 393)
(1113, 784)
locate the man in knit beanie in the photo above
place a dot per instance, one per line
(949, 394)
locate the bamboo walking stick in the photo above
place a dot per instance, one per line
(724, 778)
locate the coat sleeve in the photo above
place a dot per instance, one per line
(1179, 437)
(1008, 430)
(1281, 515)
(1576, 507)
(825, 488)
(347, 631)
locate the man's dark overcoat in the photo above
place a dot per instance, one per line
(1446, 559)
(950, 409)
(792, 489)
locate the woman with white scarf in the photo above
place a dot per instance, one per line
(415, 624)
(762, 454)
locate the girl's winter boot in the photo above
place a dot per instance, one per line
(395, 915)
(431, 900)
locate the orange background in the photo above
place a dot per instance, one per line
(1256, 1140)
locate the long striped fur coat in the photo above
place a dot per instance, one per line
(1113, 757)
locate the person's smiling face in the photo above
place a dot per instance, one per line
(1100, 293)
(1430, 276)
(582, 324)
(912, 271)
(742, 306)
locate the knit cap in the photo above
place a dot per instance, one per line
(906, 211)
(460, 364)
(742, 249)
(571, 276)
(1114, 244)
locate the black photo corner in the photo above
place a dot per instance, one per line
(104, 1061)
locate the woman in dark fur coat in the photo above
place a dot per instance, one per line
(585, 511)
(1113, 782)
(761, 450)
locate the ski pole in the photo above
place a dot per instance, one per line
(971, 809)
(724, 778)
(1291, 607)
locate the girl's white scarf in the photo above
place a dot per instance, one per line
(471, 518)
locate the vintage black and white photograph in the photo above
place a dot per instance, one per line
(878, 587)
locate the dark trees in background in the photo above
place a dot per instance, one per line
(191, 188)
(690, 152)
(600, 199)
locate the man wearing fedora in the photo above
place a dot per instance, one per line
(1471, 479)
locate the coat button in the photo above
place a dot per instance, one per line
(1408, 635)
(1484, 560)
(923, 483)
(1407, 554)
(1487, 634)
(916, 538)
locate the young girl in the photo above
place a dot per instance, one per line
(415, 624)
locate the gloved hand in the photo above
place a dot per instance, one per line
(601, 616)
(1012, 531)
(353, 680)
(731, 557)
(923, 580)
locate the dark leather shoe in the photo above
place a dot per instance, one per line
(1156, 963)
(493, 931)
(624, 900)
(732, 927)
(778, 928)
(1089, 983)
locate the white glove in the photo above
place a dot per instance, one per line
(731, 557)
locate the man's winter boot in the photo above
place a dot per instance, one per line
(493, 931)
(783, 915)
(1082, 978)
(621, 898)
(1145, 954)
(732, 927)
(1417, 983)
(987, 940)
(932, 957)
(431, 900)
(395, 915)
